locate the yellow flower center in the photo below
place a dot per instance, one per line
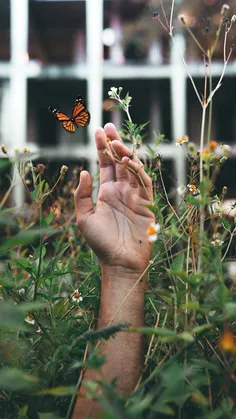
(151, 230)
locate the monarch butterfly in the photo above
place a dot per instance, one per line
(80, 116)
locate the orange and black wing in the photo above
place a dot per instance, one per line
(66, 121)
(80, 114)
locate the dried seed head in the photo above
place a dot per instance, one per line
(63, 169)
(233, 19)
(224, 9)
(4, 149)
(183, 19)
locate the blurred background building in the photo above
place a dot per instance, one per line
(53, 49)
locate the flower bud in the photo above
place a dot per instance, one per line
(233, 19)
(183, 20)
(224, 9)
(4, 149)
(63, 169)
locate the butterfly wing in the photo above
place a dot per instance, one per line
(66, 121)
(80, 114)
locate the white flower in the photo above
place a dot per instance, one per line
(233, 19)
(153, 231)
(112, 91)
(224, 9)
(21, 291)
(29, 320)
(182, 140)
(193, 189)
(76, 296)
(217, 242)
(38, 330)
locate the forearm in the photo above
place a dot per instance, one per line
(124, 353)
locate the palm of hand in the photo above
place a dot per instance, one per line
(117, 230)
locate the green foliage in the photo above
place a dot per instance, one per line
(47, 338)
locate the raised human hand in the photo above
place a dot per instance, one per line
(117, 228)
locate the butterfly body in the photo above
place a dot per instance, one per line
(80, 116)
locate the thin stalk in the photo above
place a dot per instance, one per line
(171, 18)
(164, 13)
(229, 244)
(201, 228)
(41, 239)
(204, 108)
(185, 65)
(211, 104)
(195, 39)
(186, 285)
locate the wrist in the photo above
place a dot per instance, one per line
(122, 296)
(122, 277)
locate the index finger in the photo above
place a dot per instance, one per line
(105, 159)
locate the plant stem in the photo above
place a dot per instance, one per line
(201, 228)
(171, 18)
(41, 239)
(185, 65)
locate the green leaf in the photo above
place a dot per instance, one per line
(230, 310)
(225, 224)
(36, 193)
(59, 391)
(13, 379)
(103, 333)
(222, 294)
(32, 306)
(24, 238)
(39, 250)
(49, 218)
(202, 328)
(191, 305)
(186, 336)
(4, 163)
(7, 220)
(178, 264)
(11, 317)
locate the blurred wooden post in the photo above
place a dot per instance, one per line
(18, 82)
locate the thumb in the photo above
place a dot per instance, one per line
(83, 198)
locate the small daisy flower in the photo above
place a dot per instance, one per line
(196, 191)
(217, 242)
(153, 231)
(227, 150)
(193, 189)
(182, 140)
(38, 330)
(29, 320)
(112, 91)
(213, 145)
(76, 296)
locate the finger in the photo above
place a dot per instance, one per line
(83, 199)
(105, 160)
(112, 133)
(145, 188)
